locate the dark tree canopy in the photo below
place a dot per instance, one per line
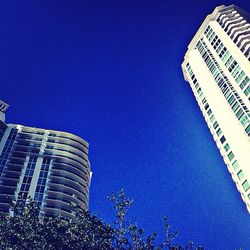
(24, 228)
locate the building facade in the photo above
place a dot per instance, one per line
(217, 67)
(51, 167)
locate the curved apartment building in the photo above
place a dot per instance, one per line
(49, 166)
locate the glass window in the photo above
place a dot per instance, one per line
(246, 185)
(215, 125)
(212, 118)
(248, 129)
(239, 113)
(226, 147)
(220, 48)
(226, 56)
(222, 139)
(212, 36)
(219, 132)
(231, 99)
(209, 112)
(244, 82)
(240, 76)
(222, 52)
(230, 59)
(235, 165)
(240, 175)
(232, 66)
(230, 156)
(244, 120)
(247, 90)
(235, 106)
(236, 71)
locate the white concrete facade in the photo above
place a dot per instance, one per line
(217, 67)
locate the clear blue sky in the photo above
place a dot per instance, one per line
(109, 71)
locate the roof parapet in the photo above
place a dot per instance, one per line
(3, 107)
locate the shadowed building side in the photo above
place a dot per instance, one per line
(49, 166)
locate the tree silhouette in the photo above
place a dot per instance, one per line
(25, 228)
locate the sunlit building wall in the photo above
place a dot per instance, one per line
(217, 67)
(51, 167)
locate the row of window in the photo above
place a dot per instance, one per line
(234, 68)
(237, 105)
(39, 193)
(235, 165)
(27, 178)
(204, 102)
(219, 133)
(194, 80)
(7, 149)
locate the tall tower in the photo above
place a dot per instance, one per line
(49, 166)
(217, 67)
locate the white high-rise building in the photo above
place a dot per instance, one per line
(217, 67)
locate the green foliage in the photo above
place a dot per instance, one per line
(24, 228)
(128, 236)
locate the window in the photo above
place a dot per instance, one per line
(220, 48)
(240, 175)
(246, 185)
(27, 178)
(219, 132)
(222, 139)
(212, 118)
(235, 165)
(244, 82)
(236, 71)
(240, 76)
(226, 56)
(209, 112)
(42, 181)
(239, 113)
(231, 99)
(226, 147)
(232, 66)
(230, 156)
(228, 62)
(247, 90)
(235, 106)
(215, 125)
(244, 120)
(222, 52)
(248, 129)
(234, 100)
